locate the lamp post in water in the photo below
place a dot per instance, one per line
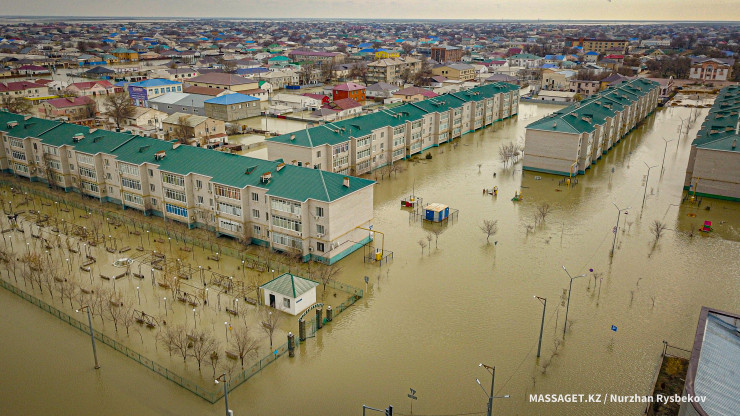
(568, 305)
(490, 396)
(222, 377)
(616, 227)
(542, 325)
(92, 335)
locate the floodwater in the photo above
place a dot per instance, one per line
(429, 318)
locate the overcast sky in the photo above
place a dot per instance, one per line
(389, 9)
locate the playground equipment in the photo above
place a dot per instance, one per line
(707, 227)
(518, 196)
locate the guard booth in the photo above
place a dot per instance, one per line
(436, 212)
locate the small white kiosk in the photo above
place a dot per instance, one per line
(290, 293)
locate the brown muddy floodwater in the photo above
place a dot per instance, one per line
(429, 319)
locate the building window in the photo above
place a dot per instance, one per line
(257, 230)
(320, 247)
(255, 196)
(129, 169)
(286, 206)
(229, 209)
(176, 195)
(88, 173)
(319, 211)
(133, 198)
(255, 213)
(174, 209)
(228, 192)
(319, 229)
(130, 183)
(173, 179)
(286, 223)
(86, 159)
(286, 303)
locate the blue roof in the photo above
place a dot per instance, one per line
(549, 66)
(592, 53)
(153, 82)
(231, 99)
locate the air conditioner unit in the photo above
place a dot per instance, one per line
(319, 235)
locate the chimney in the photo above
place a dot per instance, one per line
(345, 182)
(734, 144)
(292, 137)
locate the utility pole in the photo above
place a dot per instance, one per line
(664, 150)
(542, 325)
(616, 227)
(568, 305)
(644, 194)
(490, 396)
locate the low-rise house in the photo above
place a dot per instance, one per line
(144, 121)
(179, 102)
(711, 69)
(143, 91)
(381, 90)
(68, 108)
(323, 98)
(526, 60)
(414, 94)
(296, 102)
(232, 107)
(224, 81)
(333, 58)
(345, 107)
(349, 90)
(23, 89)
(92, 88)
(190, 128)
(125, 55)
(33, 70)
(458, 72)
(557, 80)
(584, 87)
(556, 96)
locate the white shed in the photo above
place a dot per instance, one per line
(289, 293)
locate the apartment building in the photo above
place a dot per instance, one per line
(364, 143)
(584, 87)
(390, 70)
(714, 162)
(282, 206)
(598, 45)
(444, 53)
(457, 72)
(714, 69)
(568, 141)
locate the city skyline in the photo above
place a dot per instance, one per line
(603, 10)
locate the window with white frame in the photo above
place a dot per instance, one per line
(229, 225)
(19, 154)
(54, 164)
(319, 229)
(257, 230)
(129, 169)
(286, 206)
(88, 173)
(19, 167)
(255, 213)
(255, 196)
(229, 209)
(286, 223)
(319, 212)
(89, 186)
(133, 198)
(173, 179)
(363, 153)
(86, 159)
(130, 183)
(228, 192)
(50, 150)
(15, 142)
(286, 240)
(363, 141)
(176, 195)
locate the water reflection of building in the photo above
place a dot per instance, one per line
(714, 162)
(298, 210)
(362, 144)
(569, 140)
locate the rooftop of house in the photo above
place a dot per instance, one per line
(287, 181)
(343, 104)
(348, 86)
(721, 127)
(67, 102)
(410, 91)
(290, 285)
(155, 82)
(221, 78)
(232, 99)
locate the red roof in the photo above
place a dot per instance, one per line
(348, 86)
(43, 81)
(33, 68)
(319, 97)
(69, 102)
(343, 104)
(416, 90)
(614, 56)
(85, 85)
(18, 86)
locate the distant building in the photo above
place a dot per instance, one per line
(599, 45)
(232, 107)
(333, 58)
(414, 94)
(557, 80)
(194, 128)
(714, 162)
(23, 89)
(391, 70)
(344, 107)
(125, 55)
(224, 81)
(381, 90)
(457, 72)
(525, 60)
(569, 140)
(712, 372)
(69, 108)
(141, 92)
(584, 88)
(93, 88)
(349, 90)
(446, 53)
(556, 96)
(714, 69)
(33, 70)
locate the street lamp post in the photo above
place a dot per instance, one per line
(568, 305)
(616, 227)
(222, 377)
(92, 334)
(542, 325)
(664, 150)
(646, 183)
(490, 396)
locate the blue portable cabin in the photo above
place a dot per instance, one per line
(436, 212)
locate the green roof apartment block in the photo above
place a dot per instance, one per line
(361, 144)
(570, 140)
(714, 162)
(289, 208)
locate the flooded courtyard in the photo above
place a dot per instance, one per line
(429, 317)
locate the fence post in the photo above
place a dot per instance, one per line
(291, 344)
(329, 314)
(301, 330)
(319, 315)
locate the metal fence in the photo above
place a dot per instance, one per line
(673, 351)
(195, 388)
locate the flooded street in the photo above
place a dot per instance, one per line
(428, 318)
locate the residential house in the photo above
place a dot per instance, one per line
(224, 81)
(414, 94)
(557, 80)
(584, 88)
(33, 70)
(711, 69)
(179, 102)
(232, 107)
(297, 102)
(92, 88)
(144, 121)
(191, 128)
(555, 96)
(125, 55)
(392, 70)
(25, 89)
(345, 107)
(381, 90)
(457, 72)
(525, 60)
(599, 45)
(69, 108)
(445, 53)
(333, 58)
(349, 90)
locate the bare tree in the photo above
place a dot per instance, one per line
(436, 232)
(489, 228)
(175, 339)
(214, 357)
(422, 244)
(325, 274)
(18, 105)
(429, 242)
(269, 323)
(543, 210)
(119, 107)
(657, 228)
(204, 344)
(127, 316)
(243, 342)
(114, 308)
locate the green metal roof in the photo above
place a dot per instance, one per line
(720, 128)
(290, 285)
(582, 117)
(342, 131)
(290, 182)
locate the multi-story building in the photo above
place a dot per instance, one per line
(292, 209)
(714, 162)
(568, 141)
(348, 90)
(232, 107)
(584, 87)
(598, 45)
(446, 53)
(143, 91)
(364, 143)
(557, 80)
(223, 81)
(714, 69)
(525, 60)
(333, 58)
(390, 70)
